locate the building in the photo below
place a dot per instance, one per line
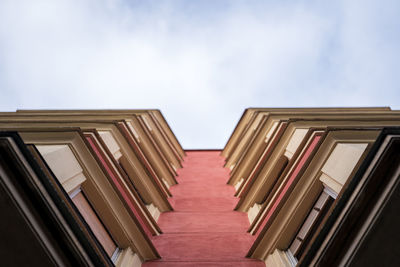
(300, 187)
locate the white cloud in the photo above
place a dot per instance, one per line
(201, 64)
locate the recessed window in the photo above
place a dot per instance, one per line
(310, 225)
(94, 222)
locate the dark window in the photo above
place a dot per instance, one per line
(311, 224)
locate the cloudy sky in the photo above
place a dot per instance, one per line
(201, 62)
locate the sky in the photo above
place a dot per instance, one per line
(200, 62)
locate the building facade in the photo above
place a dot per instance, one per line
(318, 187)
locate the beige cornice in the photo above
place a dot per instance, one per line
(123, 226)
(249, 113)
(281, 230)
(146, 183)
(377, 121)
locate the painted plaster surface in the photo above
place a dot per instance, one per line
(203, 229)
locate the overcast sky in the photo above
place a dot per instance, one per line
(201, 62)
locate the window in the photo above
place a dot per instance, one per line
(310, 225)
(69, 172)
(94, 222)
(276, 173)
(133, 184)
